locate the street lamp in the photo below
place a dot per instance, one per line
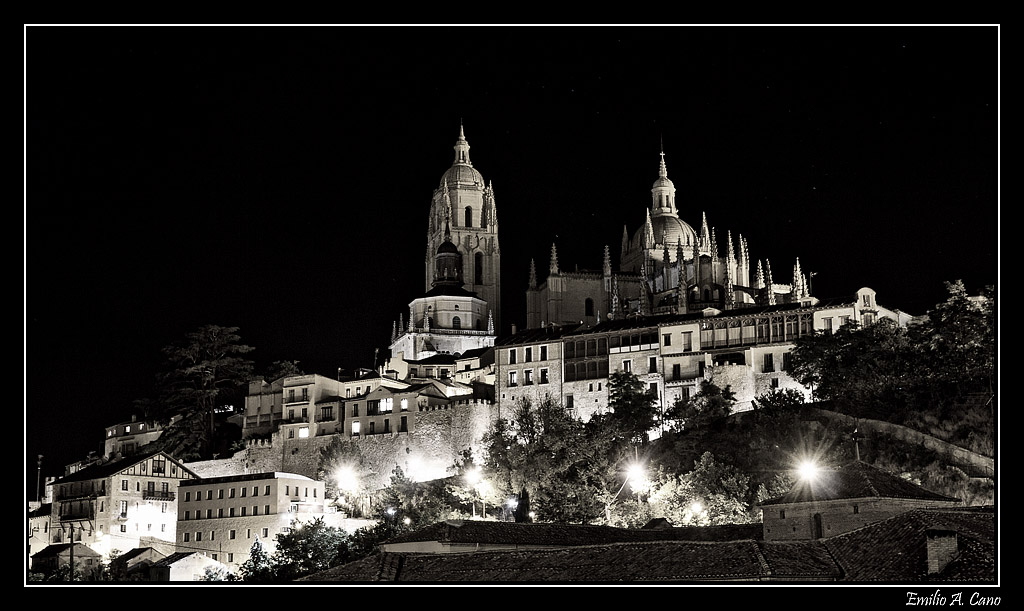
(808, 470)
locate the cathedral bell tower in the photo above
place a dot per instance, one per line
(463, 211)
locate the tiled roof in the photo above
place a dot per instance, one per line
(653, 561)
(530, 336)
(894, 550)
(56, 549)
(171, 559)
(854, 481)
(101, 470)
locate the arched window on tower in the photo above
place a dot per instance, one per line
(469, 216)
(588, 307)
(478, 268)
(456, 323)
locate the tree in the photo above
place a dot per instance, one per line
(632, 407)
(217, 573)
(309, 547)
(709, 407)
(344, 471)
(280, 369)
(258, 567)
(556, 459)
(711, 493)
(202, 373)
(778, 400)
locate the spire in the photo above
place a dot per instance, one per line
(662, 170)
(490, 322)
(705, 235)
(798, 280)
(394, 331)
(606, 266)
(625, 243)
(533, 275)
(665, 268)
(553, 267)
(730, 295)
(696, 265)
(714, 247)
(615, 298)
(729, 253)
(493, 220)
(412, 321)
(769, 282)
(401, 323)
(759, 278)
(462, 148)
(648, 232)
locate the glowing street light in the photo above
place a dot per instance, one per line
(808, 470)
(347, 480)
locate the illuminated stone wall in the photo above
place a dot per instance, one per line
(437, 439)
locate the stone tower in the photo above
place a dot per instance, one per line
(465, 205)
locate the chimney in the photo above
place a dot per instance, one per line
(513, 328)
(942, 549)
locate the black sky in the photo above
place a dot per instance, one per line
(278, 179)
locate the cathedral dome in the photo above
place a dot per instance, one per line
(447, 247)
(670, 230)
(460, 174)
(663, 182)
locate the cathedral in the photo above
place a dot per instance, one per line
(665, 267)
(461, 307)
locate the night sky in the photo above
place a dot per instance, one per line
(278, 179)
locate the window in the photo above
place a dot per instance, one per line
(124, 528)
(355, 428)
(124, 509)
(231, 557)
(512, 356)
(405, 404)
(456, 322)
(159, 466)
(220, 512)
(544, 376)
(529, 355)
(856, 509)
(627, 366)
(667, 339)
(231, 512)
(327, 412)
(469, 216)
(188, 496)
(512, 378)
(266, 490)
(185, 537)
(371, 432)
(652, 366)
(528, 377)
(265, 532)
(769, 363)
(568, 402)
(304, 432)
(209, 514)
(387, 428)
(124, 484)
(775, 382)
(588, 307)
(653, 389)
(231, 493)
(243, 492)
(677, 371)
(478, 268)
(782, 514)
(244, 509)
(291, 433)
(209, 495)
(543, 353)
(220, 493)
(266, 509)
(199, 536)
(186, 515)
(827, 324)
(787, 361)
(687, 341)
(355, 410)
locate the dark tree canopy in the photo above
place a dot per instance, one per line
(204, 371)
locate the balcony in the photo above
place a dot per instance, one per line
(86, 513)
(157, 495)
(300, 399)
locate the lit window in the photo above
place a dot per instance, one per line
(304, 432)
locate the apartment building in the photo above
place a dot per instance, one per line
(113, 505)
(223, 516)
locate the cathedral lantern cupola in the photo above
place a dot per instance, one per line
(663, 193)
